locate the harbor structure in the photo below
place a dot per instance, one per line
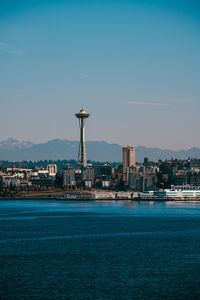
(185, 192)
(82, 116)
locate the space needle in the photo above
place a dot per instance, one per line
(82, 116)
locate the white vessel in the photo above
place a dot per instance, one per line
(185, 191)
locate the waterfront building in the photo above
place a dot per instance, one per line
(88, 183)
(105, 183)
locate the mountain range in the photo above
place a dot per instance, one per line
(18, 150)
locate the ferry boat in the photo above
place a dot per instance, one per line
(185, 191)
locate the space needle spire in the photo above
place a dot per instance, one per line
(82, 116)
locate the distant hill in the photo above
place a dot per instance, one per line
(18, 150)
(156, 153)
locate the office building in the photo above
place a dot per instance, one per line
(88, 174)
(128, 160)
(69, 177)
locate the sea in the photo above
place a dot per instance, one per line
(53, 249)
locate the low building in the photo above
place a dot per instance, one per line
(52, 169)
(42, 182)
(88, 183)
(103, 171)
(105, 183)
(10, 181)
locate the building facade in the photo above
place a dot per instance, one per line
(52, 169)
(69, 177)
(128, 160)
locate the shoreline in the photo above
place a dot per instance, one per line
(101, 199)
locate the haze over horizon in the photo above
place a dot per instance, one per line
(134, 65)
(89, 141)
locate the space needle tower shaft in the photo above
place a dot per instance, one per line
(82, 116)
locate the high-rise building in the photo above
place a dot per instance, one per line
(82, 116)
(128, 160)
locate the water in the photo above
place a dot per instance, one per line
(99, 250)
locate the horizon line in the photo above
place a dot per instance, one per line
(110, 143)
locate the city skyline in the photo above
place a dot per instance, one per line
(134, 63)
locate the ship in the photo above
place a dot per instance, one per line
(179, 192)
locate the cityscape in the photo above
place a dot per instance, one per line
(99, 150)
(174, 179)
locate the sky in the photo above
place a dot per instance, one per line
(133, 65)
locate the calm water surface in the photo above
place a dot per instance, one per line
(99, 250)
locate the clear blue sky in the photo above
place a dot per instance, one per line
(135, 65)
